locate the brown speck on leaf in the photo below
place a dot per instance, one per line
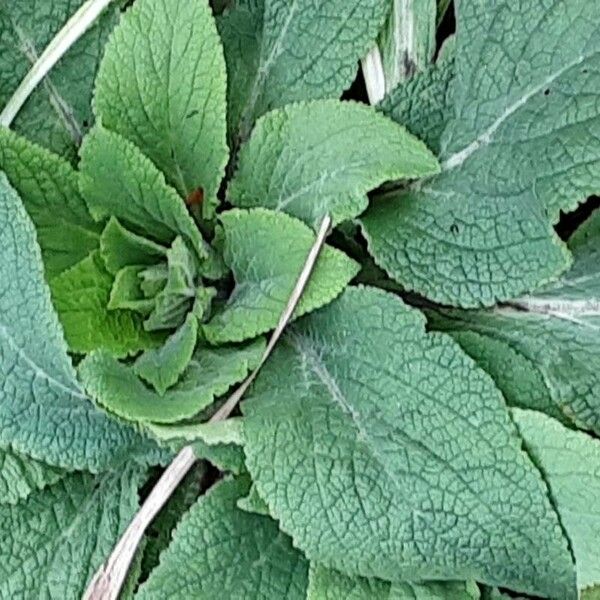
(195, 198)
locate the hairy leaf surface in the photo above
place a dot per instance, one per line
(385, 452)
(523, 143)
(304, 160)
(162, 85)
(266, 251)
(43, 410)
(219, 550)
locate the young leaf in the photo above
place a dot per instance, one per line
(80, 297)
(58, 112)
(304, 160)
(162, 367)
(423, 104)
(266, 250)
(48, 187)
(162, 85)
(219, 550)
(43, 411)
(570, 463)
(210, 373)
(555, 329)
(327, 584)
(523, 144)
(385, 452)
(117, 180)
(278, 53)
(54, 540)
(20, 476)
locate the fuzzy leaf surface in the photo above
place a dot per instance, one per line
(162, 85)
(385, 452)
(304, 160)
(43, 410)
(523, 144)
(266, 251)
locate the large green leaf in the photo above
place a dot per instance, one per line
(80, 297)
(523, 143)
(266, 251)
(117, 180)
(280, 52)
(20, 476)
(48, 187)
(327, 584)
(54, 541)
(43, 411)
(220, 551)
(385, 452)
(570, 462)
(59, 111)
(304, 160)
(555, 330)
(162, 85)
(209, 374)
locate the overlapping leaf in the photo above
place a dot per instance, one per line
(523, 143)
(219, 550)
(304, 160)
(43, 411)
(162, 85)
(385, 452)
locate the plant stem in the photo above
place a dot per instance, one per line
(108, 580)
(73, 29)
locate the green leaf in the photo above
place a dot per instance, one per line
(121, 248)
(555, 329)
(117, 180)
(522, 145)
(48, 187)
(398, 460)
(59, 111)
(304, 160)
(253, 503)
(54, 541)
(210, 373)
(266, 251)
(162, 85)
(219, 550)
(162, 367)
(407, 41)
(43, 411)
(570, 463)
(423, 104)
(20, 476)
(278, 53)
(81, 297)
(327, 584)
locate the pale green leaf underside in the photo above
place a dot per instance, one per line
(304, 160)
(117, 180)
(570, 462)
(59, 111)
(327, 584)
(523, 143)
(221, 551)
(209, 374)
(281, 51)
(266, 251)
(555, 330)
(162, 85)
(48, 187)
(80, 297)
(20, 476)
(385, 471)
(43, 411)
(54, 541)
